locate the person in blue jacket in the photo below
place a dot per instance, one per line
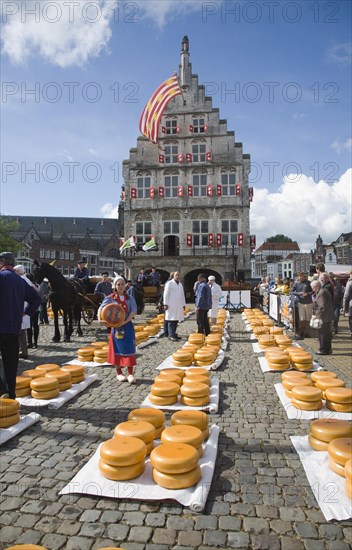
(203, 304)
(14, 292)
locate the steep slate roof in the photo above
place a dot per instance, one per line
(278, 246)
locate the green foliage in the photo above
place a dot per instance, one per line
(8, 243)
(279, 239)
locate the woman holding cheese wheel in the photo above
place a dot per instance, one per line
(122, 341)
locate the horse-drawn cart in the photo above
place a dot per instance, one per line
(90, 306)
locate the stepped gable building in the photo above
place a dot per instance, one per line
(191, 194)
(67, 240)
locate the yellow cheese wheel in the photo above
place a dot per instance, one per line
(177, 481)
(182, 433)
(74, 370)
(49, 394)
(153, 416)
(336, 467)
(307, 393)
(280, 359)
(327, 429)
(123, 451)
(170, 378)
(316, 444)
(44, 384)
(165, 389)
(348, 469)
(140, 429)
(348, 487)
(196, 336)
(23, 392)
(288, 393)
(195, 389)
(98, 345)
(183, 355)
(31, 373)
(339, 407)
(176, 372)
(307, 405)
(204, 354)
(295, 382)
(194, 401)
(8, 407)
(340, 450)
(28, 547)
(339, 395)
(322, 374)
(83, 359)
(161, 401)
(65, 386)
(121, 473)
(278, 366)
(293, 375)
(7, 421)
(60, 375)
(150, 447)
(100, 359)
(158, 431)
(330, 383)
(87, 351)
(101, 353)
(199, 419)
(196, 371)
(203, 363)
(303, 366)
(192, 348)
(47, 367)
(174, 458)
(200, 379)
(182, 364)
(205, 432)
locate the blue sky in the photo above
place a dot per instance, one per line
(280, 74)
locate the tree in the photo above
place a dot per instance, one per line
(279, 239)
(8, 243)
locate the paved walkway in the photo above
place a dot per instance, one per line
(259, 498)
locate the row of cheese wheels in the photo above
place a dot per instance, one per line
(198, 350)
(9, 412)
(307, 393)
(291, 357)
(175, 461)
(193, 385)
(48, 380)
(96, 351)
(335, 437)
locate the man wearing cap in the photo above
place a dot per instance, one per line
(203, 304)
(82, 273)
(104, 287)
(216, 294)
(14, 292)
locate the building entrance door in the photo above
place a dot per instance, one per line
(171, 246)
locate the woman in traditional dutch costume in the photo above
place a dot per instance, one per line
(122, 341)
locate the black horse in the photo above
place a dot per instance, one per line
(65, 296)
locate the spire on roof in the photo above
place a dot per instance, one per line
(185, 66)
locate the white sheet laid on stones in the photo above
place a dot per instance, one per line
(297, 414)
(263, 362)
(168, 364)
(151, 340)
(257, 349)
(87, 363)
(62, 398)
(89, 481)
(211, 407)
(25, 422)
(328, 487)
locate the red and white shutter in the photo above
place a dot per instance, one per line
(161, 191)
(209, 190)
(188, 157)
(133, 193)
(210, 239)
(219, 190)
(191, 128)
(180, 191)
(189, 191)
(152, 192)
(209, 156)
(240, 239)
(161, 159)
(180, 158)
(238, 189)
(218, 239)
(189, 239)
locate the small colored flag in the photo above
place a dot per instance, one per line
(130, 243)
(153, 111)
(53, 263)
(150, 245)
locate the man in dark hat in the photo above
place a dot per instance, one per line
(203, 304)
(14, 292)
(82, 273)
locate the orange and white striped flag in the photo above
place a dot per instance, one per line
(152, 113)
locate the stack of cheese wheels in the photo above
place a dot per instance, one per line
(204, 357)
(44, 388)
(324, 430)
(277, 359)
(259, 331)
(33, 373)
(9, 412)
(101, 355)
(199, 419)
(202, 377)
(348, 474)
(290, 383)
(322, 375)
(151, 330)
(86, 354)
(294, 375)
(153, 416)
(339, 399)
(98, 345)
(141, 337)
(196, 338)
(327, 383)
(266, 341)
(175, 465)
(194, 394)
(76, 371)
(182, 358)
(23, 386)
(192, 348)
(122, 458)
(145, 431)
(164, 393)
(166, 373)
(340, 452)
(283, 341)
(47, 367)
(182, 433)
(213, 339)
(63, 377)
(301, 359)
(307, 398)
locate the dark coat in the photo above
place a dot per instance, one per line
(322, 307)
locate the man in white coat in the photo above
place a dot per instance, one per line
(216, 294)
(174, 304)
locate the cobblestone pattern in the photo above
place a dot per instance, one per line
(259, 498)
